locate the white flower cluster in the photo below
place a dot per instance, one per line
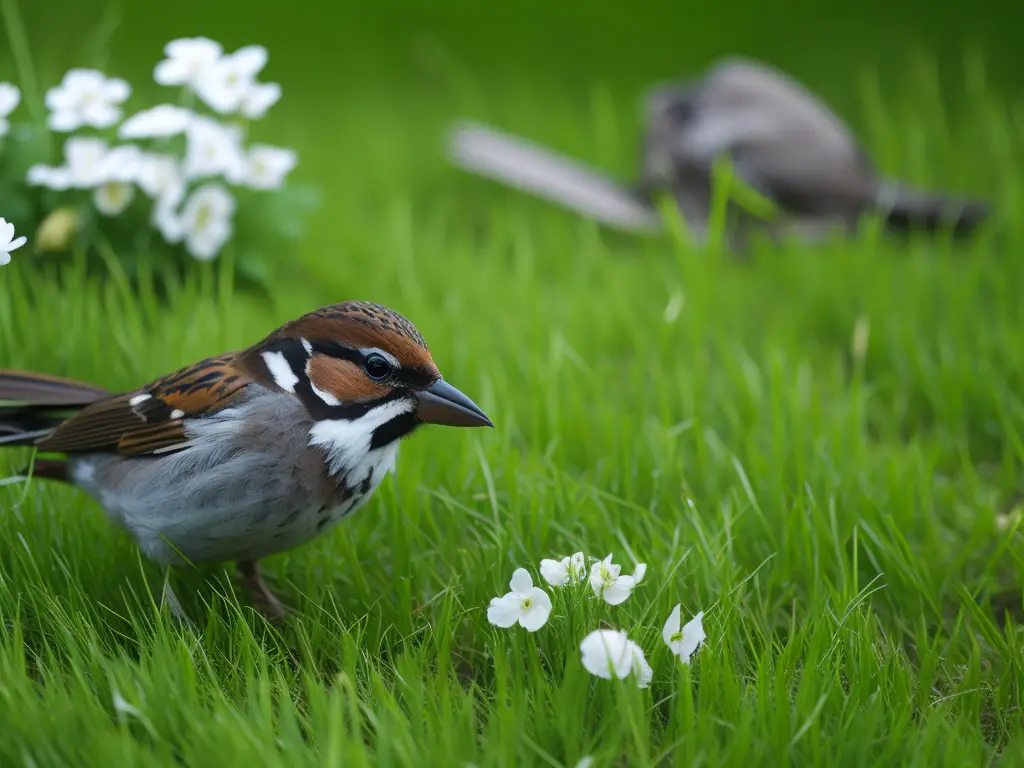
(184, 161)
(605, 652)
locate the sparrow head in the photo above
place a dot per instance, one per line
(361, 362)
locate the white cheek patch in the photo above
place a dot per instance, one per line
(177, 414)
(348, 442)
(283, 374)
(307, 346)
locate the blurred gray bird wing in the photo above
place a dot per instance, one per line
(787, 144)
(783, 141)
(530, 168)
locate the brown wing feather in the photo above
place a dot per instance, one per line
(150, 420)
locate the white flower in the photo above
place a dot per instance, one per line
(683, 642)
(40, 175)
(158, 122)
(258, 99)
(122, 164)
(86, 97)
(224, 85)
(266, 166)
(213, 150)
(188, 58)
(167, 221)
(160, 177)
(10, 97)
(113, 197)
(558, 573)
(608, 584)
(526, 604)
(8, 243)
(206, 220)
(85, 158)
(608, 652)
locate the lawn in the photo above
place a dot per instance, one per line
(822, 449)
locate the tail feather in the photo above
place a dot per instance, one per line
(530, 168)
(42, 389)
(33, 404)
(906, 209)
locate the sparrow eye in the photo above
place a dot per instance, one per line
(377, 367)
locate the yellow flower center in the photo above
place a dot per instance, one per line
(527, 603)
(676, 637)
(203, 217)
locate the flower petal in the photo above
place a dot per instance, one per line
(536, 616)
(606, 653)
(17, 243)
(693, 636)
(596, 582)
(641, 669)
(616, 593)
(504, 611)
(639, 572)
(671, 627)
(578, 567)
(521, 582)
(554, 572)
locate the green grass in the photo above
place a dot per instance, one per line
(838, 510)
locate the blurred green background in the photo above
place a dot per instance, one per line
(358, 75)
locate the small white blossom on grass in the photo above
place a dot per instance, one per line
(267, 167)
(526, 604)
(213, 150)
(225, 85)
(122, 164)
(609, 585)
(683, 642)
(113, 197)
(609, 652)
(86, 97)
(167, 221)
(159, 122)
(188, 59)
(8, 242)
(86, 161)
(10, 97)
(40, 175)
(206, 220)
(558, 573)
(160, 177)
(258, 99)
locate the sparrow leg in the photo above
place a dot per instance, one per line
(264, 600)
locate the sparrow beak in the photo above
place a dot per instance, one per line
(441, 403)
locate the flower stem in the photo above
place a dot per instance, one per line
(22, 55)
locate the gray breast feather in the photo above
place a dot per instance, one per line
(249, 485)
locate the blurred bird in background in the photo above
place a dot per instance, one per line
(782, 141)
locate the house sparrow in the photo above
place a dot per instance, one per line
(249, 453)
(783, 142)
